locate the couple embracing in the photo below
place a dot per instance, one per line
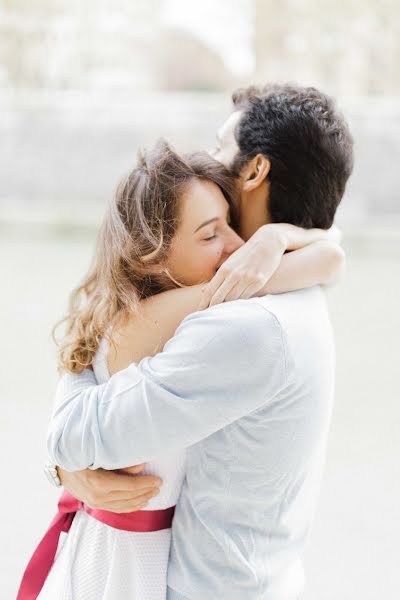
(191, 419)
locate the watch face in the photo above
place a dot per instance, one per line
(52, 475)
(48, 475)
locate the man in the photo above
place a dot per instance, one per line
(245, 386)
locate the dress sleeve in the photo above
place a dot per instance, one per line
(222, 364)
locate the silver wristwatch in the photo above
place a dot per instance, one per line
(50, 470)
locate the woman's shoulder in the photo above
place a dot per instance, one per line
(145, 332)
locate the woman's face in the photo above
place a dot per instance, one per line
(204, 239)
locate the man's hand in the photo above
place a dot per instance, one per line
(111, 490)
(248, 269)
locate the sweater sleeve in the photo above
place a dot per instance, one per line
(222, 364)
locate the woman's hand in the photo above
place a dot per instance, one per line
(247, 271)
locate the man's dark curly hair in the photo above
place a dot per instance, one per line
(308, 144)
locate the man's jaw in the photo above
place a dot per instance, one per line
(253, 211)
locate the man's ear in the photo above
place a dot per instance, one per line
(255, 172)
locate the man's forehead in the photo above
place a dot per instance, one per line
(227, 129)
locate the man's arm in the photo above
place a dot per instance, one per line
(222, 363)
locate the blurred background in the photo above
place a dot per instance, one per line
(82, 86)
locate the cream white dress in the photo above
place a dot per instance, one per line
(97, 562)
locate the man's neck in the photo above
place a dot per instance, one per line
(253, 211)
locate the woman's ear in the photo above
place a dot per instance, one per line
(255, 172)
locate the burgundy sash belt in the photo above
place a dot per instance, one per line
(42, 559)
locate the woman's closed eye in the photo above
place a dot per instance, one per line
(211, 237)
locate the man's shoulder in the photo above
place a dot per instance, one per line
(239, 314)
(238, 335)
(257, 316)
(294, 305)
(304, 296)
(239, 322)
(303, 317)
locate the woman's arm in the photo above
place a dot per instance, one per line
(146, 333)
(247, 271)
(317, 261)
(297, 237)
(320, 263)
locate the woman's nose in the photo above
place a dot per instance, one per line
(233, 242)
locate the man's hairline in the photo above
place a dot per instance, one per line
(241, 108)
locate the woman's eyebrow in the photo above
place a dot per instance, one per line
(207, 223)
(213, 220)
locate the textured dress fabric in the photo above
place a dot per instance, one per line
(97, 562)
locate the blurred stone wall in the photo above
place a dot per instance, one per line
(63, 154)
(101, 45)
(348, 47)
(77, 45)
(84, 84)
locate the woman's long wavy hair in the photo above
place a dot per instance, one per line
(134, 239)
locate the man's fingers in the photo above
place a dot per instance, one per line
(131, 470)
(133, 484)
(125, 506)
(108, 499)
(135, 469)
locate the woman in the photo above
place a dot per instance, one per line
(168, 230)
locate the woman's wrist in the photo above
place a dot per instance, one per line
(274, 235)
(294, 237)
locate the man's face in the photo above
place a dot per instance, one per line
(254, 214)
(226, 147)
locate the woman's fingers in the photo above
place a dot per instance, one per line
(239, 285)
(251, 291)
(212, 287)
(223, 291)
(237, 291)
